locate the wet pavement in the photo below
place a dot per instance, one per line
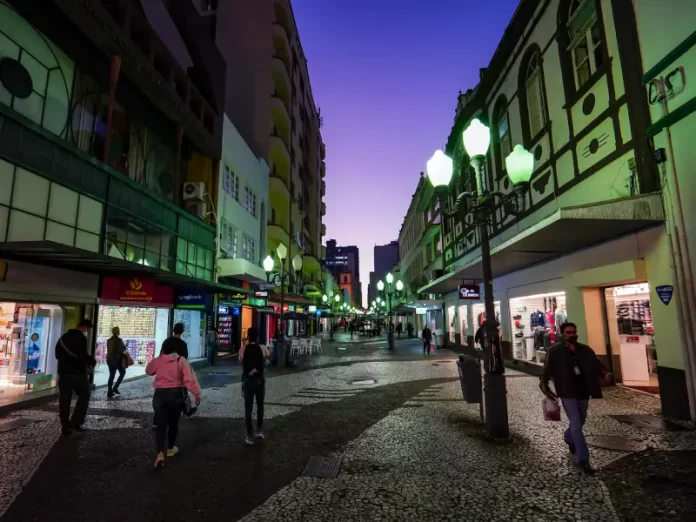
(410, 450)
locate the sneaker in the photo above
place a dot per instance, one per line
(172, 451)
(80, 429)
(110, 395)
(586, 468)
(259, 435)
(159, 461)
(116, 392)
(248, 441)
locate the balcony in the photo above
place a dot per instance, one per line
(323, 188)
(280, 120)
(276, 235)
(242, 269)
(323, 230)
(279, 156)
(323, 169)
(281, 46)
(322, 151)
(323, 248)
(282, 15)
(278, 188)
(323, 208)
(281, 81)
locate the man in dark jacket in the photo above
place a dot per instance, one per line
(175, 344)
(576, 374)
(74, 364)
(426, 337)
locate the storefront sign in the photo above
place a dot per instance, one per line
(665, 293)
(237, 297)
(632, 339)
(194, 300)
(299, 309)
(261, 293)
(256, 301)
(223, 310)
(469, 292)
(266, 309)
(43, 381)
(312, 309)
(137, 289)
(421, 311)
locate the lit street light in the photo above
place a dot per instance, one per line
(390, 292)
(485, 206)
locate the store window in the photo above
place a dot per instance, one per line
(194, 330)
(535, 324)
(631, 336)
(194, 260)
(28, 334)
(452, 320)
(463, 323)
(143, 330)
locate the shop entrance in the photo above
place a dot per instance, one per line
(630, 332)
(143, 331)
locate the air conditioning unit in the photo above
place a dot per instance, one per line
(197, 208)
(194, 190)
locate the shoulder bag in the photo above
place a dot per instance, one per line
(88, 369)
(189, 406)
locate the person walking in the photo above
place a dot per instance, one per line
(173, 377)
(175, 344)
(116, 361)
(576, 373)
(426, 336)
(399, 328)
(74, 365)
(409, 329)
(253, 357)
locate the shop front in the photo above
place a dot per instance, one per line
(193, 309)
(141, 309)
(228, 326)
(535, 323)
(37, 305)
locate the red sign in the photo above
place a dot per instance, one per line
(137, 289)
(632, 339)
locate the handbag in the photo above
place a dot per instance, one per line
(189, 406)
(552, 410)
(127, 360)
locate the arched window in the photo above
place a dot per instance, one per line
(501, 136)
(534, 95)
(585, 46)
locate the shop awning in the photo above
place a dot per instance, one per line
(57, 255)
(566, 230)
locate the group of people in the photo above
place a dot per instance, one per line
(174, 379)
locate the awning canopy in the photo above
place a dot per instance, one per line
(567, 230)
(57, 255)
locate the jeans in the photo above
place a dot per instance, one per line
(576, 410)
(426, 346)
(115, 366)
(254, 387)
(168, 404)
(67, 384)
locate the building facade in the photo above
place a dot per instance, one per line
(269, 100)
(386, 259)
(594, 244)
(342, 261)
(101, 131)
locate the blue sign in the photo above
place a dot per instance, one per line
(194, 299)
(318, 313)
(665, 293)
(223, 310)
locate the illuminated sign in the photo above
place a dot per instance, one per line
(312, 309)
(421, 311)
(469, 292)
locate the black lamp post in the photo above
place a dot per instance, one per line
(484, 206)
(391, 290)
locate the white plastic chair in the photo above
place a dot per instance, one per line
(295, 348)
(317, 345)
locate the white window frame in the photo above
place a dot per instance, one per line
(249, 249)
(249, 201)
(505, 138)
(584, 35)
(230, 182)
(229, 239)
(536, 105)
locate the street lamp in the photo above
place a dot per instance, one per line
(390, 292)
(486, 207)
(282, 279)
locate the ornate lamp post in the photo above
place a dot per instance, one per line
(282, 279)
(391, 291)
(484, 206)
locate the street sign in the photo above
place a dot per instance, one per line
(665, 292)
(469, 292)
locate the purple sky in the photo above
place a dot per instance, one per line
(386, 74)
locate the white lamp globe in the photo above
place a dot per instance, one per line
(324, 298)
(282, 251)
(399, 285)
(519, 165)
(297, 262)
(337, 298)
(380, 285)
(390, 278)
(477, 138)
(439, 169)
(268, 264)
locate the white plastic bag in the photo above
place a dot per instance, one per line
(552, 410)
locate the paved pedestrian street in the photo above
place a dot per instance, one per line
(410, 449)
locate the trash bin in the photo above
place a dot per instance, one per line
(470, 379)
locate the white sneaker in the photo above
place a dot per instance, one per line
(259, 435)
(248, 441)
(173, 451)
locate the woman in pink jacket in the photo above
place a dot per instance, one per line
(173, 376)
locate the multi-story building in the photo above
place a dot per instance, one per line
(342, 260)
(269, 100)
(386, 258)
(594, 244)
(102, 135)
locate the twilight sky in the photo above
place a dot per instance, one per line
(386, 74)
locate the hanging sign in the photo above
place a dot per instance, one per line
(469, 292)
(261, 293)
(665, 293)
(137, 289)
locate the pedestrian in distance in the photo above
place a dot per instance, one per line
(409, 329)
(116, 361)
(253, 357)
(577, 376)
(75, 363)
(174, 378)
(427, 337)
(399, 328)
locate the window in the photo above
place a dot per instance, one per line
(586, 46)
(534, 95)
(228, 240)
(250, 201)
(502, 136)
(249, 249)
(230, 183)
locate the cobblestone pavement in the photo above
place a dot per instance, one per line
(411, 450)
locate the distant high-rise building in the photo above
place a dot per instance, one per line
(386, 258)
(345, 260)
